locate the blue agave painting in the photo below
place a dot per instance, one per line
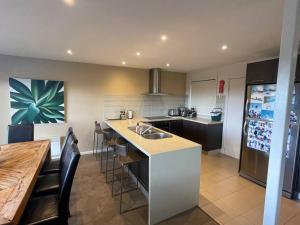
(36, 101)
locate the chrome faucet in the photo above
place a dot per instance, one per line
(148, 128)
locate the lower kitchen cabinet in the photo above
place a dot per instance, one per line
(208, 135)
(176, 127)
(163, 125)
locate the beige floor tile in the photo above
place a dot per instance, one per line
(216, 213)
(229, 198)
(294, 220)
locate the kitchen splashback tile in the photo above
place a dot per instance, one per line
(141, 105)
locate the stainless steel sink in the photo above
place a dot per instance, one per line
(151, 133)
(158, 135)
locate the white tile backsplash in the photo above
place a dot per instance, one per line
(141, 105)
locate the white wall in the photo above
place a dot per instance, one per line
(220, 73)
(86, 86)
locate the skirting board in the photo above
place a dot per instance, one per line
(212, 152)
(91, 151)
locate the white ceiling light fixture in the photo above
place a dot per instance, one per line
(168, 65)
(123, 63)
(138, 54)
(224, 47)
(69, 51)
(69, 2)
(163, 37)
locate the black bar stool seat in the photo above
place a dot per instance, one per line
(125, 158)
(109, 139)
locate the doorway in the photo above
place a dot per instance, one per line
(234, 117)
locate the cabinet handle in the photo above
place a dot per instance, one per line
(244, 128)
(259, 80)
(246, 107)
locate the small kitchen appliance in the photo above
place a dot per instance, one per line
(122, 115)
(192, 113)
(183, 111)
(130, 114)
(173, 112)
(216, 114)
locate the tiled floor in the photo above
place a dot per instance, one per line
(233, 200)
(91, 202)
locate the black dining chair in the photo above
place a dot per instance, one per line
(20, 133)
(50, 183)
(54, 209)
(54, 166)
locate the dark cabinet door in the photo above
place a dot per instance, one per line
(163, 125)
(195, 132)
(208, 135)
(262, 72)
(176, 127)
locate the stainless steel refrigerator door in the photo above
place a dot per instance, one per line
(292, 145)
(255, 153)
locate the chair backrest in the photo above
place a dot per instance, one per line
(66, 178)
(97, 126)
(69, 132)
(20, 133)
(69, 140)
(121, 147)
(108, 134)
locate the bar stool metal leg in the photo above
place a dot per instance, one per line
(101, 153)
(94, 142)
(106, 166)
(97, 146)
(113, 177)
(121, 192)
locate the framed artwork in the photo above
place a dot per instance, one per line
(36, 101)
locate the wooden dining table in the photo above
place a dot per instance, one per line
(20, 165)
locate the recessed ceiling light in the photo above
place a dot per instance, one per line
(163, 37)
(69, 51)
(123, 63)
(168, 64)
(138, 53)
(224, 47)
(69, 2)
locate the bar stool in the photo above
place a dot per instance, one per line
(125, 158)
(97, 132)
(109, 139)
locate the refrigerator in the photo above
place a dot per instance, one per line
(257, 136)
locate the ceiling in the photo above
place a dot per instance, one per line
(111, 31)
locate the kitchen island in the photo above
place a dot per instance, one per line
(174, 171)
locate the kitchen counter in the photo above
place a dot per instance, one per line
(148, 146)
(201, 120)
(174, 171)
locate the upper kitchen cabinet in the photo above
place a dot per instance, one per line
(266, 72)
(297, 75)
(262, 72)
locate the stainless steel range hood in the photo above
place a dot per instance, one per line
(155, 82)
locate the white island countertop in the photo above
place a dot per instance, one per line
(150, 146)
(174, 171)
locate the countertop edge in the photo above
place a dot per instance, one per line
(196, 145)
